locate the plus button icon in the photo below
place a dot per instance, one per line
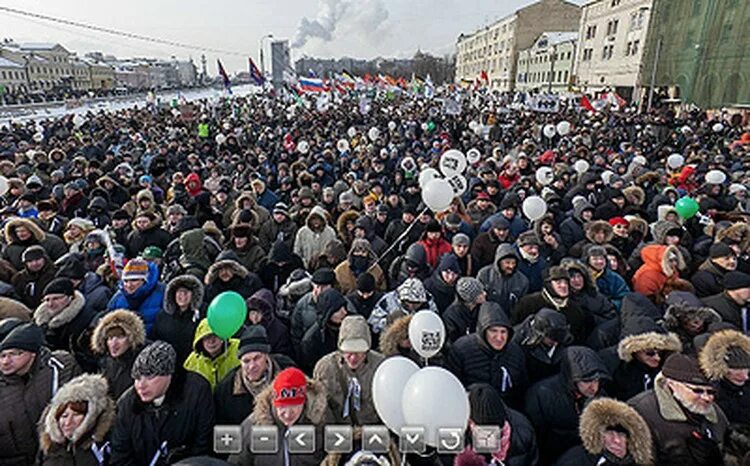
(227, 439)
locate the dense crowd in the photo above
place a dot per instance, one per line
(611, 330)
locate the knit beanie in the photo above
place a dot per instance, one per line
(135, 269)
(26, 337)
(720, 250)
(59, 286)
(412, 290)
(460, 239)
(487, 407)
(254, 339)
(73, 269)
(683, 368)
(289, 387)
(8, 324)
(33, 253)
(158, 358)
(469, 289)
(366, 283)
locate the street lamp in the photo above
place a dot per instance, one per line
(262, 63)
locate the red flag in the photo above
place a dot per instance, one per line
(485, 78)
(586, 103)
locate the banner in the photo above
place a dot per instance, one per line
(545, 103)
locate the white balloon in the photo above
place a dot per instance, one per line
(427, 175)
(437, 194)
(550, 131)
(408, 165)
(220, 139)
(387, 389)
(78, 121)
(373, 134)
(607, 175)
(352, 132)
(563, 128)
(392, 125)
(424, 127)
(675, 161)
(459, 184)
(640, 160)
(544, 175)
(342, 145)
(434, 398)
(686, 130)
(426, 333)
(478, 130)
(581, 166)
(3, 185)
(718, 128)
(473, 156)
(303, 147)
(452, 162)
(534, 207)
(473, 125)
(715, 177)
(176, 112)
(38, 137)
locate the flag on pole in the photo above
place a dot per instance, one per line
(586, 104)
(485, 77)
(255, 74)
(224, 76)
(311, 85)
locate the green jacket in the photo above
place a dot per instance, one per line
(212, 369)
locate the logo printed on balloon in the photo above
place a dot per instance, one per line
(473, 156)
(459, 184)
(452, 162)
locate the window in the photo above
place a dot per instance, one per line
(607, 52)
(612, 27)
(591, 31)
(615, 3)
(3, 75)
(588, 54)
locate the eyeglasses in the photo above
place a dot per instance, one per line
(702, 391)
(650, 353)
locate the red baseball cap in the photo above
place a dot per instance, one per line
(289, 387)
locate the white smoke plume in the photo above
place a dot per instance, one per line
(337, 18)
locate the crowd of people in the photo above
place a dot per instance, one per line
(612, 330)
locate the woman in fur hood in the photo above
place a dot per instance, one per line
(612, 433)
(75, 425)
(118, 338)
(725, 359)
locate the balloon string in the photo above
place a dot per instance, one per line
(398, 240)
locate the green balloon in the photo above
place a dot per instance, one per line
(203, 130)
(686, 207)
(226, 314)
(431, 126)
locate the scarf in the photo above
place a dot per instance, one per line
(558, 303)
(527, 257)
(502, 453)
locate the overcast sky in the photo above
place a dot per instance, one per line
(326, 28)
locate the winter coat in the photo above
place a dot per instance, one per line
(309, 244)
(483, 249)
(347, 282)
(651, 278)
(146, 301)
(599, 415)
(178, 327)
(442, 293)
(304, 315)
(90, 436)
(554, 405)
(733, 399)
(321, 338)
(389, 308)
(270, 232)
(532, 271)
(589, 299)
(612, 286)
(153, 235)
(523, 450)
(316, 413)
(709, 279)
(96, 292)
(54, 246)
(233, 400)
(24, 398)
(333, 373)
(276, 330)
(280, 265)
(243, 282)
(184, 421)
(517, 224)
(253, 257)
(12, 308)
(532, 303)
(542, 361)
(473, 360)
(29, 286)
(730, 311)
(571, 229)
(676, 436)
(459, 320)
(362, 306)
(434, 249)
(213, 369)
(504, 290)
(67, 330)
(117, 370)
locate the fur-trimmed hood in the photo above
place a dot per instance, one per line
(237, 269)
(91, 388)
(592, 228)
(647, 341)
(43, 317)
(637, 224)
(10, 230)
(183, 281)
(634, 195)
(604, 412)
(245, 196)
(316, 406)
(713, 356)
(678, 311)
(128, 321)
(344, 218)
(570, 264)
(656, 256)
(660, 229)
(737, 233)
(393, 335)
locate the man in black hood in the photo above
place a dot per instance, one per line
(322, 337)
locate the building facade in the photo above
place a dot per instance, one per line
(12, 76)
(494, 49)
(48, 66)
(547, 66)
(612, 38)
(700, 49)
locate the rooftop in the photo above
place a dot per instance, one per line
(5, 63)
(554, 38)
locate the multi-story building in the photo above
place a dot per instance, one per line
(494, 49)
(81, 75)
(102, 75)
(611, 41)
(187, 74)
(700, 49)
(12, 76)
(548, 64)
(48, 66)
